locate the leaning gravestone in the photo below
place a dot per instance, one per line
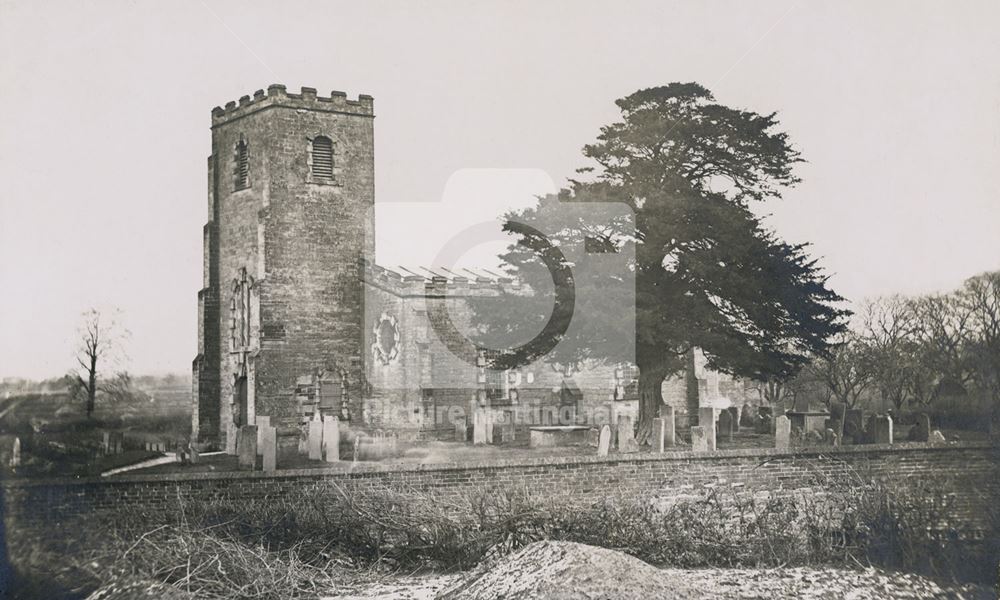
(747, 416)
(269, 448)
(724, 429)
(782, 432)
(699, 439)
(315, 439)
(247, 447)
(883, 429)
(604, 441)
(331, 438)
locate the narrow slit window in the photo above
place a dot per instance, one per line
(242, 166)
(322, 159)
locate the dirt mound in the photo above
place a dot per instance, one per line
(568, 571)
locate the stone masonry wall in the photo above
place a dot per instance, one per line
(299, 238)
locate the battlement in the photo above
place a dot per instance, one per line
(438, 281)
(307, 99)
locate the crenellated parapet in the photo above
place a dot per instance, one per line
(438, 281)
(307, 99)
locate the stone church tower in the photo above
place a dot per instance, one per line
(290, 216)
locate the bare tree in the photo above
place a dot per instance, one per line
(100, 335)
(847, 371)
(888, 330)
(981, 296)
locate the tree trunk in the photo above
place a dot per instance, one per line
(91, 385)
(650, 398)
(692, 393)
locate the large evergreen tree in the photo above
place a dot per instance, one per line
(707, 272)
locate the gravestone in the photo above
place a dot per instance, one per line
(461, 435)
(670, 430)
(734, 415)
(262, 422)
(659, 434)
(314, 441)
(15, 453)
(724, 428)
(747, 420)
(106, 443)
(854, 425)
(706, 419)
(247, 447)
(357, 448)
(594, 437)
(231, 432)
(377, 444)
(269, 447)
(782, 432)
(765, 420)
(479, 426)
(193, 455)
(604, 442)
(508, 433)
(496, 436)
(883, 429)
(921, 431)
(331, 438)
(700, 439)
(830, 437)
(626, 435)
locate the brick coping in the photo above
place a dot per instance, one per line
(368, 468)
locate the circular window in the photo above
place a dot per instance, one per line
(385, 349)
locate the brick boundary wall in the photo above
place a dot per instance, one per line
(968, 470)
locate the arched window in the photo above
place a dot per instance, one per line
(242, 165)
(322, 158)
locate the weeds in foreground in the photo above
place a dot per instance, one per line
(298, 546)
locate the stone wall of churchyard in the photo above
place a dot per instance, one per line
(968, 471)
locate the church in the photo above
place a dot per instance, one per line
(295, 317)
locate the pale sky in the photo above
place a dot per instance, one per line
(105, 114)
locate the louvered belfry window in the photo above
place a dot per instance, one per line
(322, 158)
(242, 166)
